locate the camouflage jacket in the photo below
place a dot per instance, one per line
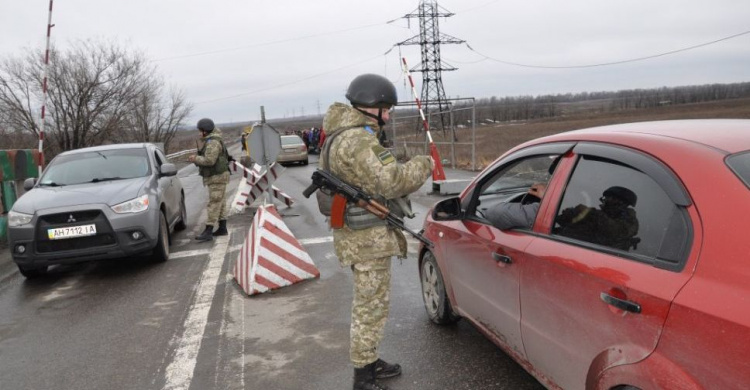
(357, 158)
(213, 154)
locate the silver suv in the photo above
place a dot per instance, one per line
(97, 203)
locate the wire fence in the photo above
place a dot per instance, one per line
(454, 138)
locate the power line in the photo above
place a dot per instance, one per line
(478, 6)
(607, 63)
(269, 43)
(289, 83)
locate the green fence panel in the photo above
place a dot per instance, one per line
(6, 168)
(3, 227)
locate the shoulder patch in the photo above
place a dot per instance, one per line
(384, 155)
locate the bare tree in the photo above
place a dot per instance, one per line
(96, 92)
(18, 86)
(154, 117)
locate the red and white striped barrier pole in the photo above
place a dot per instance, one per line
(255, 183)
(438, 174)
(44, 89)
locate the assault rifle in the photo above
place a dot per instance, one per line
(343, 193)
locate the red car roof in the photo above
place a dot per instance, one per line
(728, 135)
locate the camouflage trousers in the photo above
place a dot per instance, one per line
(372, 285)
(217, 208)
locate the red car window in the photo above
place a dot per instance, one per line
(618, 207)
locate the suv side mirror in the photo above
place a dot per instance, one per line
(447, 210)
(168, 169)
(29, 183)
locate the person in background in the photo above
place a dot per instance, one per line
(613, 224)
(322, 138)
(305, 138)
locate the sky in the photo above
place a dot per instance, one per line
(230, 57)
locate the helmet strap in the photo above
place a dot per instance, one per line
(378, 117)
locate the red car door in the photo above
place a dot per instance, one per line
(484, 276)
(484, 262)
(596, 287)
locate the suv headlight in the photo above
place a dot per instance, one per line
(132, 206)
(16, 219)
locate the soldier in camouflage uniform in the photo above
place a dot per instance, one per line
(213, 166)
(614, 224)
(356, 157)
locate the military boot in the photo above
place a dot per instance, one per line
(206, 235)
(222, 230)
(386, 370)
(364, 379)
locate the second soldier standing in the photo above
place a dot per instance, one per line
(213, 166)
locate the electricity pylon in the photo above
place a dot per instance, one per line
(430, 39)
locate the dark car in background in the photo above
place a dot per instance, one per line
(97, 203)
(633, 274)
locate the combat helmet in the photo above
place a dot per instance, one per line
(206, 125)
(372, 90)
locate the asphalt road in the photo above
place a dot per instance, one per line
(185, 324)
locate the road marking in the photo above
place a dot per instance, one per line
(235, 248)
(179, 373)
(200, 252)
(197, 252)
(313, 241)
(413, 242)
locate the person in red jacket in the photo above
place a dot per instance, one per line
(322, 139)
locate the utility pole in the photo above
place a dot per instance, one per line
(430, 38)
(44, 89)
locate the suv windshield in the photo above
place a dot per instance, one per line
(92, 167)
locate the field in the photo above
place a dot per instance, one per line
(492, 140)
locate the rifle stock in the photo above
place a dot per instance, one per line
(347, 193)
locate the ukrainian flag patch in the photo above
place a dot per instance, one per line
(384, 155)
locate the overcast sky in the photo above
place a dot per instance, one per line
(297, 57)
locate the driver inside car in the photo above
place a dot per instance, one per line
(522, 214)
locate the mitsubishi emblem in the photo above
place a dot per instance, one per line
(71, 219)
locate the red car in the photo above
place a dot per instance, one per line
(632, 271)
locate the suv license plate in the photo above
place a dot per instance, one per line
(71, 232)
